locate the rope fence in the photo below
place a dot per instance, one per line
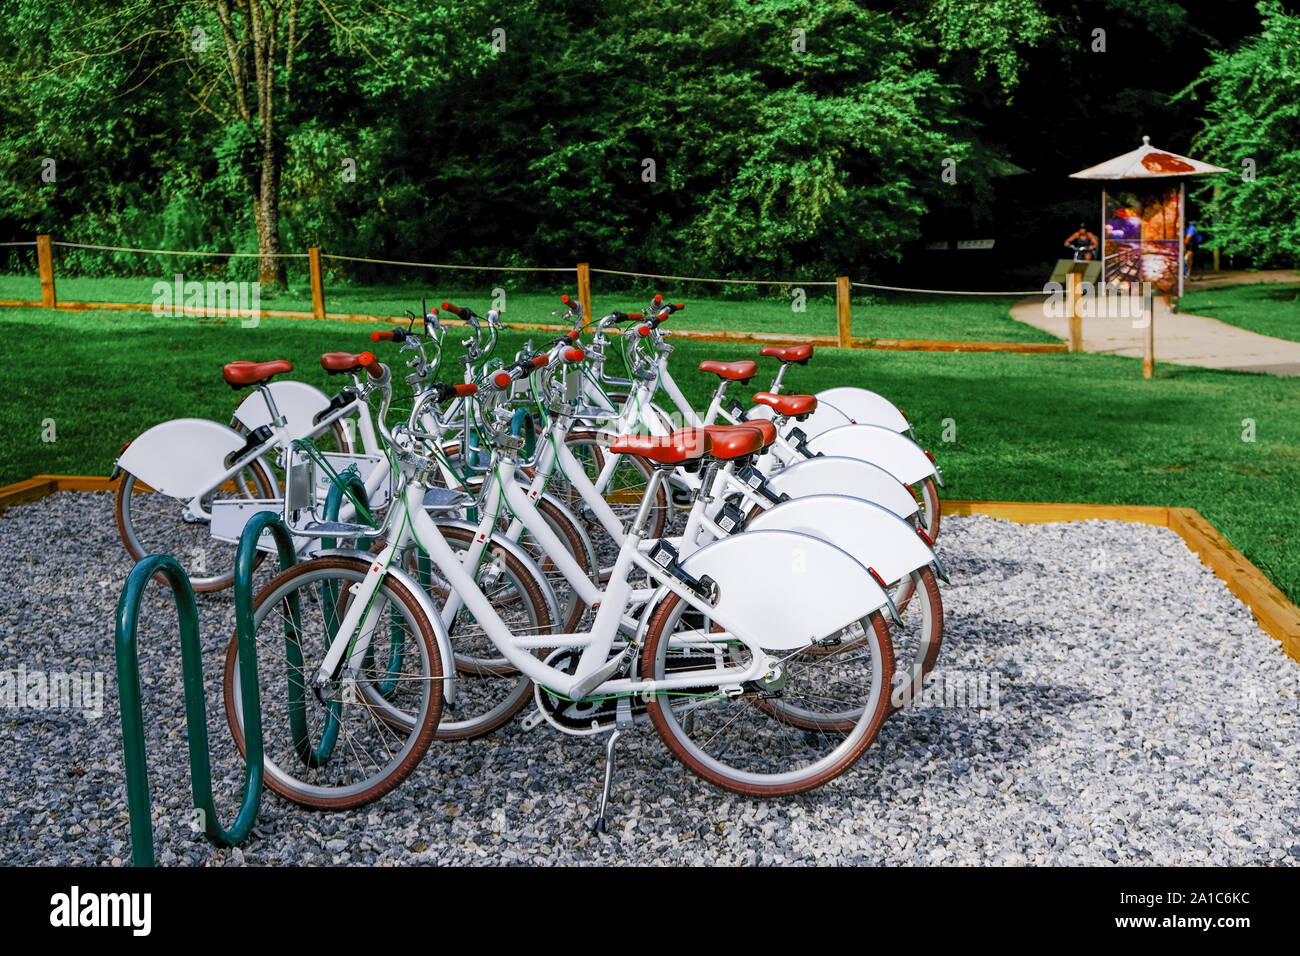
(174, 252)
(899, 288)
(582, 272)
(653, 275)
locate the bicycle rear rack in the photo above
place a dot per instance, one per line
(128, 679)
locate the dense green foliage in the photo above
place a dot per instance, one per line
(789, 138)
(784, 134)
(1252, 126)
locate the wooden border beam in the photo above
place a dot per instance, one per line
(701, 335)
(1273, 611)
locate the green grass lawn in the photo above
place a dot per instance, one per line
(1054, 427)
(1267, 308)
(901, 315)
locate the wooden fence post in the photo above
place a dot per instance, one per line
(842, 316)
(1072, 303)
(45, 261)
(584, 290)
(1149, 347)
(317, 287)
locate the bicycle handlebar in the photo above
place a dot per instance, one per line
(374, 368)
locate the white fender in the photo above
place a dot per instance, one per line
(785, 589)
(298, 402)
(863, 407)
(181, 458)
(823, 418)
(835, 475)
(877, 537)
(897, 454)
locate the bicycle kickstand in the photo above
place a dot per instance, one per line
(622, 722)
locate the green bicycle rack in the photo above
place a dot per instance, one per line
(128, 679)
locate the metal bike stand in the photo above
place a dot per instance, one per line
(128, 679)
(623, 721)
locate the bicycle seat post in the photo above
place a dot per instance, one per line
(276, 419)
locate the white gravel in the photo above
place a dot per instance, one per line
(1114, 704)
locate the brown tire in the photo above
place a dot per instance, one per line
(758, 724)
(918, 638)
(367, 731)
(927, 495)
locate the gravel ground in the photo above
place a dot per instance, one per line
(1108, 701)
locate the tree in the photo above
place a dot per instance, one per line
(232, 61)
(1252, 126)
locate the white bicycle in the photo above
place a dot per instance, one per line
(751, 687)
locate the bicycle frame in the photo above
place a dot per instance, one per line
(417, 528)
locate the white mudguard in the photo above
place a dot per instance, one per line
(181, 458)
(835, 475)
(823, 418)
(897, 454)
(863, 407)
(298, 402)
(786, 589)
(875, 536)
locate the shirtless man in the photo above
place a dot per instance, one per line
(1083, 241)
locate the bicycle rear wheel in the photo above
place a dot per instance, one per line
(776, 739)
(153, 523)
(490, 690)
(345, 744)
(623, 494)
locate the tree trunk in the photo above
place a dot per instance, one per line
(266, 213)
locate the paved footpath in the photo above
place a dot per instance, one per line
(1181, 338)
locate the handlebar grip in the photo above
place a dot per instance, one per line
(381, 336)
(575, 355)
(539, 361)
(453, 309)
(501, 379)
(636, 316)
(571, 303)
(371, 364)
(574, 335)
(465, 391)
(658, 299)
(643, 330)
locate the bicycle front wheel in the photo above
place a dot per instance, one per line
(774, 738)
(351, 741)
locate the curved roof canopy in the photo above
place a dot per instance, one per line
(1147, 162)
